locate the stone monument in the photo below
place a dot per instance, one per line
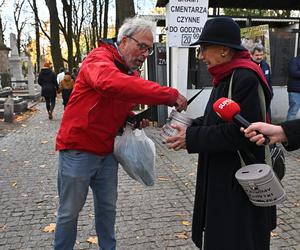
(15, 61)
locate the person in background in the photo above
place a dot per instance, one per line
(60, 75)
(257, 52)
(107, 88)
(293, 88)
(74, 74)
(287, 132)
(47, 80)
(66, 87)
(223, 217)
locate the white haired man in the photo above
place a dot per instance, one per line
(106, 90)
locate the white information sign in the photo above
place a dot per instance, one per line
(186, 19)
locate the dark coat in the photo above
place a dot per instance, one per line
(221, 206)
(292, 132)
(294, 75)
(47, 80)
(267, 72)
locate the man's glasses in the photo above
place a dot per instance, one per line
(143, 47)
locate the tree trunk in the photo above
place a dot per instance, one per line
(94, 24)
(105, 18)
(54, 35)
(78, 19)
(69, 35)
(37, 36)
(124, 9)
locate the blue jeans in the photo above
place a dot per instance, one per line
(294, 105)
(77, 170)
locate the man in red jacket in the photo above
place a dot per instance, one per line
(106, 90)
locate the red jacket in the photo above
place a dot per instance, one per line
(103, 97)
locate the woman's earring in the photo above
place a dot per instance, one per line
(222, 54)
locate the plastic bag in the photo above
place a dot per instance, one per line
(136, 153)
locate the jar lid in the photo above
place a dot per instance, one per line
(183, 118)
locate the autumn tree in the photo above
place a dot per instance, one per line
(78, 20)
(256, 12)
(124, 9)
(54, 35)
(67, 29)
(34, 8)
(20, 24)
(105, 18)
(1, 26)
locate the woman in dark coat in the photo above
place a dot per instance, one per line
(224, 218)
(287, 132)
(47, 80)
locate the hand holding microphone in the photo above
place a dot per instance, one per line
(229, 110)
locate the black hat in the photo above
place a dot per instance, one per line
(222, 31)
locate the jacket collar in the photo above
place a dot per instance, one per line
(111, 45)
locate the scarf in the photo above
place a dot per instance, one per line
(241, 59)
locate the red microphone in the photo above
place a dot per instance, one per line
(229, 111)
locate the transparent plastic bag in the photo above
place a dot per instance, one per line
(136, 153)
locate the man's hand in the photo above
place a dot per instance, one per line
(181, 103)
(142, 124)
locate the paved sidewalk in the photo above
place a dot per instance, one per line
(156, 217)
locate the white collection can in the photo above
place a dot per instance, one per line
(175, 118)
(261, 185)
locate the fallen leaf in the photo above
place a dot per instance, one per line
(18, 118)
(186, 223)
(2, 227)
(296, 204)
(44, 142)
(183, 235)
(192, 174)
(181, 215)
(162, 178)
(274, 234)
(50, 228)
(92, 240)
(14, 184)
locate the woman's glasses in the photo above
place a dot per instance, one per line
(143, 47)
(202, 48)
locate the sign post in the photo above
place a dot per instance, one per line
(186, 19)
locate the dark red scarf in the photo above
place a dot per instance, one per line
(241, 59)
